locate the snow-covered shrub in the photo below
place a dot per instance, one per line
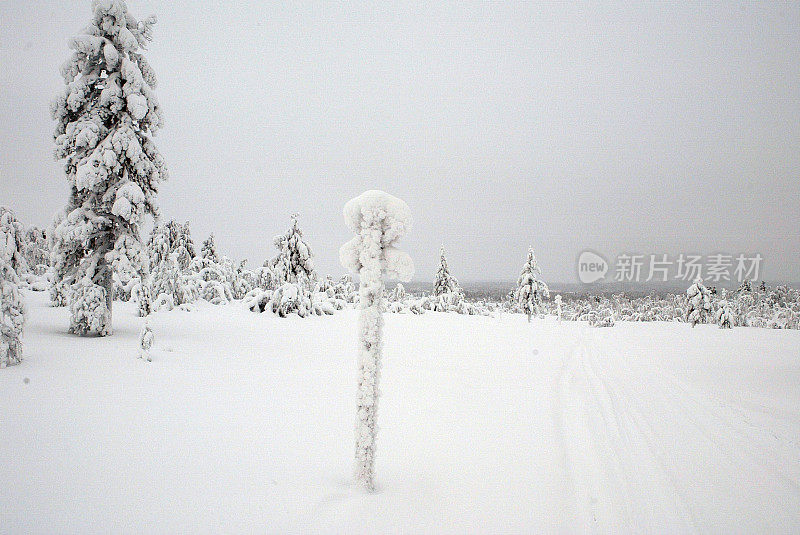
(531, 290)
(397, 294)
(345, 289)
(12, 315)
(724, 315)
(163, 302)
(604, 317)
(698, 309)
(378, 220)
(146, 339)
(210, 280)
(106, 117)
(89, 310)
(258, 299)
(244, 281)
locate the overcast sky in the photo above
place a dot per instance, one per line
(661, 128)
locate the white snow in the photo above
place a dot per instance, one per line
(243, 423)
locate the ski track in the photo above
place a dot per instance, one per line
(647, 453)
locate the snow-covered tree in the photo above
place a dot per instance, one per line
(89, 312)
(294, 256)
(36, 251)
(141, 294)
(210, 280)
(744, 286)
(345, 289)
(559, 311)
(12, 308)
(724, 316)
(531, 290)
(12, 241)
(699, 303)
(184, 246)
(244, 281)
(59, 290)
(106, 117)
(378, 220)
(444, 282)
(209, 249)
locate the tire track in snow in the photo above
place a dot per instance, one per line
(721, 464)
(618, 480)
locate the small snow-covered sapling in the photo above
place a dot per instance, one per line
(378, 220)
(146, 341)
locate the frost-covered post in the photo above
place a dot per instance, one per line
(558, 306)
(379, 220)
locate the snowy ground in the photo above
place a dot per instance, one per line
(243, 423)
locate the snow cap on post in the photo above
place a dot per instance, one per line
(379, 220)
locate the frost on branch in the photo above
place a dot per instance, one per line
(378, 220)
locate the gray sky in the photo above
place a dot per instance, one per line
(657, 128)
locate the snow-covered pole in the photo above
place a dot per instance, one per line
(378, 220)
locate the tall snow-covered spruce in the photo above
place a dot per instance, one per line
(106, 117)
(531, 290)
(378, 220)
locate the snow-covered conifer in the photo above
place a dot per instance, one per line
(397, 294)
(141, 294)
(744, 287)
(12, 311)
(531, 290)
(36, 251)
(244, 280)
(699, 303)
(184, 246)
(294, 256)
(444, 282)
(12, 241)
(378, 220)
(146, 338)
(89, 310)
(209, 249)
(59, 290)
(106, 117)
(724, 315)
